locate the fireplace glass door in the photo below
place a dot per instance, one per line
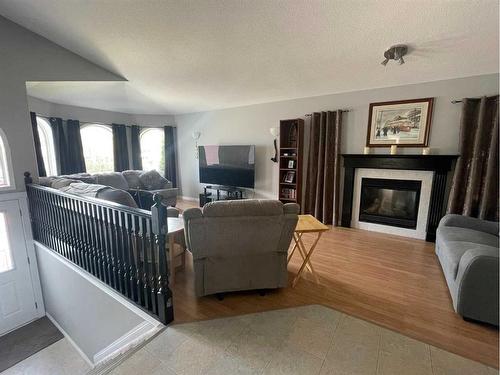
(390, 202)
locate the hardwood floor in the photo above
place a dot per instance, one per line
(392, 281)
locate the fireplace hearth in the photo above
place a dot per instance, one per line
(390, 202)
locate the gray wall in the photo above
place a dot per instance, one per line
(91, 115)
(82, 114)
(91, 317)
(250, 125)
(29, 57)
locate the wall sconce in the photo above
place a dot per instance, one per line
(196, 135)
(275, 133)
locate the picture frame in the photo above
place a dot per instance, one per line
(405, 123)
(291, 164)
(289, 177)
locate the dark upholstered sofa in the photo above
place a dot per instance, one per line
(467, 249)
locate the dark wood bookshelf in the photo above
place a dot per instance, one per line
(290, 160)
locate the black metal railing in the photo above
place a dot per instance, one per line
(123, 247)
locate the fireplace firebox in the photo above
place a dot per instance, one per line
(390, 202)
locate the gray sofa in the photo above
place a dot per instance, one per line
(146, 183)
(467, 249)
(141, 184)
(240, 245)
(84, 189)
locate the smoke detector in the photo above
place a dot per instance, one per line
(396, 53)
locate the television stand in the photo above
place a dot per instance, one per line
(213, 193)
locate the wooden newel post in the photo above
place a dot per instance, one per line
(27, 178)
(160, 230)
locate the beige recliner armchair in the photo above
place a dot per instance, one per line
(240, 245)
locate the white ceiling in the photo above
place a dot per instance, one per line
(187, 56)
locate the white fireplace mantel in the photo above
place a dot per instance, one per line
(425, 177)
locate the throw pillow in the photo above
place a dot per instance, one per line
(152, 180)
(113, 179)
(133, 179)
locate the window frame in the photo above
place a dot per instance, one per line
(107, 128)
(44, 128)
(149, 129)
(6, 163)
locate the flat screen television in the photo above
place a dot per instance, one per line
(227, 165)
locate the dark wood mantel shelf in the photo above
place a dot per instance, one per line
(439, 164)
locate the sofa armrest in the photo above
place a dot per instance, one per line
(173, 212)
(290, 211)
(168, 196)
(188, 215)
(453, 220)
(291, 208)
(477, 284)
(167, 193)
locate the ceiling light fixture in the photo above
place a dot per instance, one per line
(396, 53)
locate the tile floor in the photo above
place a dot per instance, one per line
(60, 358)
(305, 340)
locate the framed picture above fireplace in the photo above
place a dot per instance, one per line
(405, 123)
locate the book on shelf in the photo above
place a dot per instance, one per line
(288, 193)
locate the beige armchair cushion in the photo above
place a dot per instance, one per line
(249, 207)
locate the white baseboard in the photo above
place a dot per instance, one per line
(68, 337)
(131, 339)
(137, 335)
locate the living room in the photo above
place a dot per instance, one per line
(142, 256)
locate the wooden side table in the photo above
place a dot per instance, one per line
(306, 224)
(175, 226)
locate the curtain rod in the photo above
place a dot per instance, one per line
(102, 123)
(455, 101)
(342, 110)
(80, 121)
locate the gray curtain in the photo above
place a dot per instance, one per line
(120, 148)
(474, 190)
(76, 160)
(170, 155)
(60, 146)
(38, 148)
(322, 194)
(135, 138)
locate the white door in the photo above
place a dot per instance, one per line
(17, 299)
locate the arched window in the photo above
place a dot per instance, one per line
(153, 149)
(6, 176)
(97, 143)
(47, 146)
